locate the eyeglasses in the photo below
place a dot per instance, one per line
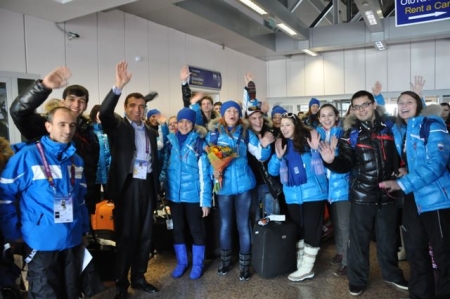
(362, 106)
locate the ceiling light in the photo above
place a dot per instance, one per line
(310, 52)
(380, 45)
(371, 17)
(286, 29)
(255, 7)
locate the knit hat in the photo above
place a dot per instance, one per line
(229, 104)
(186, 113)
(314, 101)
(152, 112)
(277, 109)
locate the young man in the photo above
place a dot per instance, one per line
(132, 183)
(445, 114)
(75, 97)
(368, 151)
(46, 180)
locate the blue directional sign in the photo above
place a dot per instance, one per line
(410, 12)
(205, 78)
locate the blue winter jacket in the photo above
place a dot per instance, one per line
(186, 171)
(104, 158)
(315, 188)
(24, 180)
(338, 183)
(428, 177)
(238, 176)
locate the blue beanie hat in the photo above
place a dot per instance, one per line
(153, 112)
(277, 109)
(229, 104)
(314, 101)
(186, 113)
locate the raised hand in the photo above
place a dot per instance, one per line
(57, 78)
(417, 87)
(197, 97)
(161, 119)
(314, 142)
(122, 75)
(248, 77)
(376, 89)
(327, 152)
(184, 74)
(267, 139)
(333, 142)
(280, 150)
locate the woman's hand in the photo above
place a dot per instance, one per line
(280, 150)
(205, 211)
(314, 142)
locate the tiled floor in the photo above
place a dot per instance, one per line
(324, 285)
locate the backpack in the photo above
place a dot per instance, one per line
(425, 129)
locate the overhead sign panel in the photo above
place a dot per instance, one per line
(410, 12)
(205, 78)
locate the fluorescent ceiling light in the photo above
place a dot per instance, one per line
(371, 17)
(255, 7)
(310, 52)
(286, 29)
(380, 45)
(63, 1)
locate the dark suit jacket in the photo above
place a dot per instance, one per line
(121, 141)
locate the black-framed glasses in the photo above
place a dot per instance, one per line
(362, 106)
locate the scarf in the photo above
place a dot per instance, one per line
(181, 138)
(296, 170)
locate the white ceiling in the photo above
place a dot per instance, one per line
(229, 23)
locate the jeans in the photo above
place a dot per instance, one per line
(241, 205)
(262, 195)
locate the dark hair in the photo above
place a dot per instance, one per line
(418, 100)
(445, 104)
(301, 132)
(93, 114)
(207, 98)
(52, 112)
(363, 93)
(135, 95)
(336, 112)
(218, 104)
(76, 90)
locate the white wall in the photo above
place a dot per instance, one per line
(35, 46)
(339, 74)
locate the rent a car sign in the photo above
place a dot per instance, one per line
(410, 12)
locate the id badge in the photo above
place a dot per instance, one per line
(63, 209)
(140, 169)
(169, 224)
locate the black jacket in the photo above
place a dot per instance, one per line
(372, 159)
(122, 144)
(32, 126)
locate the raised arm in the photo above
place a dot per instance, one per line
(185, 90)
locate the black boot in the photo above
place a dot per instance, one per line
(244, 266)
(225, 262)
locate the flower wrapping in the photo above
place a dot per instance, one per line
(219, 157)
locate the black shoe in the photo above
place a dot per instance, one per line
(121, 294)
(145, 286)
(223, 270)
(355, 290)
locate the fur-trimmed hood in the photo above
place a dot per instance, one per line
(351, 120)
(201, 130)
(5, 152)
(433, 109)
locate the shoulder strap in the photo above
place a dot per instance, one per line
(425, 129)
(213, 137)
(353, 139)
(198, 147)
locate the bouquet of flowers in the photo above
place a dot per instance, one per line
(220, 157)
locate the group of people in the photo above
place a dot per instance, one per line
(364, 167)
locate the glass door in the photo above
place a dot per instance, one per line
(5, 94)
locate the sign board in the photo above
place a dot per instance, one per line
(205, 78)
(410, 12)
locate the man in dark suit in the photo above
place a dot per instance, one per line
(132, 183)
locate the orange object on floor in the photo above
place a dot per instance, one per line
(103, 217)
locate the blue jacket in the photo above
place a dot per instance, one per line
(238, 176)
(315, 188)
(24, 180)
(186, 171)
(428, 177)
(104, 159)
(338, 183)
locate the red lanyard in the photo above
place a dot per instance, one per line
(47, 171)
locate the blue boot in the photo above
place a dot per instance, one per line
(182, 260)
(198, 255)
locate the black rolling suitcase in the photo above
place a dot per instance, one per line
(274, 249)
